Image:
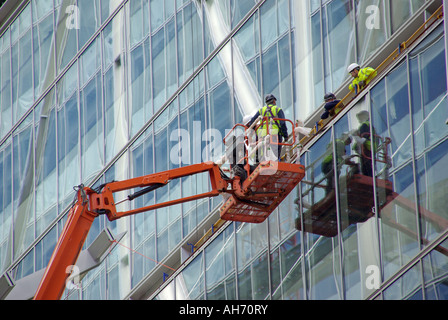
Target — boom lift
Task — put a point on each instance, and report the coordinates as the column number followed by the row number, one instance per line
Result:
column 251, row 193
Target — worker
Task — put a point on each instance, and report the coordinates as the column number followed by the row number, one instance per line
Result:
column 363, row 142
column 327, row 165
column 332, row 106
column 277, row 129
column 361, row 77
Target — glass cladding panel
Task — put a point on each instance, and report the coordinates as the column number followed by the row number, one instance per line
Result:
column 396, row 189
column 276, row 58
column 192, row 122
column 221, row 115
column 322, row 258
column 157, row 13
column 66, row 38
column 23, row 181
column 171, row 57
column 314, row 5
column 68, row 149
column 398, row 221
column 94, row 288
column 162, row 160
column 380, row 122
column 317, row 57
column 48, row 245
column 260, row 278
column 190, row 283
column 90, row 62
column 143, row 224
column 432, row 178
column 5, row 93
column 371, row 27
column 22, row 82
column 220, row 267
column 46, row 159
column 41, row 8
column 322, row 268
column 270, row 69
column 252, row 262
column 401, row 10
column 89, row 19
column 140, row 97
column 247, row 39
column 435, row 265
column 238, row 9
column 356, row 200
column 137, row 17
column 285, row 76
column 398, row 114
column 437, row 291
column 339, row 42
column 43, row 55
column 160, row 67
column 92, row 133
column 317, row 188
column 406, row 286
column 251, row 240
column 116, row 115
column 144, row 257
column 286, row 270
column 429, row 87
column 269, row 23
column 189, row 41
column 167, row 293
column 6, row 203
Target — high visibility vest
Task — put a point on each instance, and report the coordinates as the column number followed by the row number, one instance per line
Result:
column 270, row 111
column 363, row 75
column 368, row 143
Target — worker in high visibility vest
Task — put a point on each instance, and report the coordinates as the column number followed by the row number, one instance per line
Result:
column 364, row 145
column 332, row 106
column 327, row 164
column 277, row 128
column 361, row 77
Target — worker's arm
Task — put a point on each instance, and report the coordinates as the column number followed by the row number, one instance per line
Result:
column 254, row 118
column 353, row 85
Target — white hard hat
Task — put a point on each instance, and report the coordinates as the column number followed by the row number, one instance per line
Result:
column 352, row 67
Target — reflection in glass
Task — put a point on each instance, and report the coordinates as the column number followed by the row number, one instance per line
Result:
column 220, row 267
column 190, row 283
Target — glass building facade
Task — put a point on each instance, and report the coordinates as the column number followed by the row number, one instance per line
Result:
column 98, row 90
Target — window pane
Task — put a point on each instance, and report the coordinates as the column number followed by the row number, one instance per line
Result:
column 356, row 200
column 92, row 134
column 140, row 84
column 68, row 150
column 428, row 83
column 431, row 188
column 371, row 26
column 398, row 114
column 5, row 94
column 89, row 19
column 190, row 283
column 401, row 10
column 318, row 61
column 340, row 40
column 66, row 40
column 43, row 53
column 239, row 8
column 22, row 84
